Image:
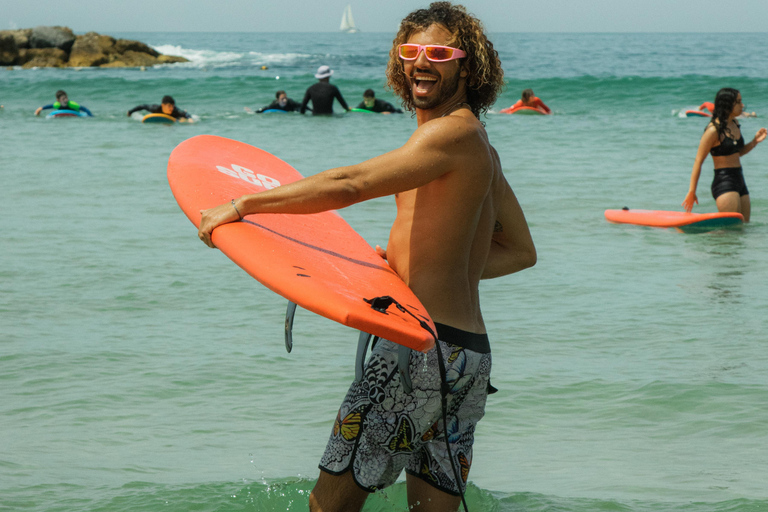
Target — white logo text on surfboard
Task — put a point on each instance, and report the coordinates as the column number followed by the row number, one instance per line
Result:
column 248, row 175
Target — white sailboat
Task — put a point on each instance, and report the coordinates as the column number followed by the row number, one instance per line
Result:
column 348, row 22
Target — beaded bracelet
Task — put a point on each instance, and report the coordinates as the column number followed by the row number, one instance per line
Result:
column 238, row 211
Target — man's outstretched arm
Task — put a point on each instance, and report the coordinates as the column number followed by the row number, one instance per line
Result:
column 425, row 157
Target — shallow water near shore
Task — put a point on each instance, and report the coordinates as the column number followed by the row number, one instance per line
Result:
column 142, row 371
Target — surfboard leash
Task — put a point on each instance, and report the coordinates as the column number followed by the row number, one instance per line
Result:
column 381, row 304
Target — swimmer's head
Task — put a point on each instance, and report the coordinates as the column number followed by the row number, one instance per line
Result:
column 369, row 98
column 282, row 98
column 484, row 75
column 61, row 94
column 324, row 73
column 168, row 104
column 527, row 95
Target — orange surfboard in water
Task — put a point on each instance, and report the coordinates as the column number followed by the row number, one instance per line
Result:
column 316, row 261
column 680, row 220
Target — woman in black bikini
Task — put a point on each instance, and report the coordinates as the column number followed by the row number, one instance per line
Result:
column 723, row 140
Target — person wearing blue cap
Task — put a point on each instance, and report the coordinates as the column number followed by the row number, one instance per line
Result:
column 322, row 94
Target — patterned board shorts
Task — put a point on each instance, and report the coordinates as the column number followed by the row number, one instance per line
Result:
column 381, row 430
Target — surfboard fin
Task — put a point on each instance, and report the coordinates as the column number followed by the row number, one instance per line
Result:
column 403, row 362
column 362, row 348
column 289, row 314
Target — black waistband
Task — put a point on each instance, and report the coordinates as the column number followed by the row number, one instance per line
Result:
column 728, row 170
column 469, row 340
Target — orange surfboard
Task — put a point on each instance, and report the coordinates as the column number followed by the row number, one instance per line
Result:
column 523, row 110
column 680, row 220
column 316, row 261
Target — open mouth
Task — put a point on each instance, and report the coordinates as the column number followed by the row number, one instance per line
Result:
column 424, row 83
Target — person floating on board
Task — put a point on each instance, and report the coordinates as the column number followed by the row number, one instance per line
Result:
column 322, row 94
column 168, row 107
column 374, row 105
column 722, row 139
column 282, row 102
column 707, row 105
column 62, row 103
column 528, row 99
column 457, row 222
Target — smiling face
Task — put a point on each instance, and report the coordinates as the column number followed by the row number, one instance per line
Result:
column 433, row 84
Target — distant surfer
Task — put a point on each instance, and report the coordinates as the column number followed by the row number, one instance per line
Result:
column 63, row 103
column 281, row 102
column 723, row 140
column 370, row 102
column 322, row 94
column 168, row 107
column 528, row 99
column 458, row 221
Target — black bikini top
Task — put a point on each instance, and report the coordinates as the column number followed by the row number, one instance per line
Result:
column 728, row 146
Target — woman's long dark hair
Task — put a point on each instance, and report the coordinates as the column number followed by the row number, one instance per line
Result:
column 724, row 103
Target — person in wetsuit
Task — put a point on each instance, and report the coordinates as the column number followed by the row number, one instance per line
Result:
column 322, row 94
column 63, row 103
column 723, row 140
column 168, row 107
column 528, row 99
column 282, row 102
column 375, row 105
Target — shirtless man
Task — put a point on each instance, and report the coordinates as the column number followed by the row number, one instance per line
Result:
column 457, row 222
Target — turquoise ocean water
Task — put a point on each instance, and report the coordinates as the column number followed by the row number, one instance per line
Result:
column 142, row 371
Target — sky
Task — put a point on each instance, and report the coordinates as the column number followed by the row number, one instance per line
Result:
column 107, row 16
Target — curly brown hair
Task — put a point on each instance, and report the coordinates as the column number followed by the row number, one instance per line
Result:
column 485, row 79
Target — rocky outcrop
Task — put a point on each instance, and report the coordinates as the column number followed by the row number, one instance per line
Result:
column 90, row 50
column 52, row 37
column 60, row 47
column 21, row 36
column 42, row 58
column 132, row 59
column 126, row 45
column 9, row 51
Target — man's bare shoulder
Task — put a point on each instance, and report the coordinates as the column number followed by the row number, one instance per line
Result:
column 454, row 134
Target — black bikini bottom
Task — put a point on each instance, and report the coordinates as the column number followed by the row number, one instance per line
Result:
column 729, row 179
